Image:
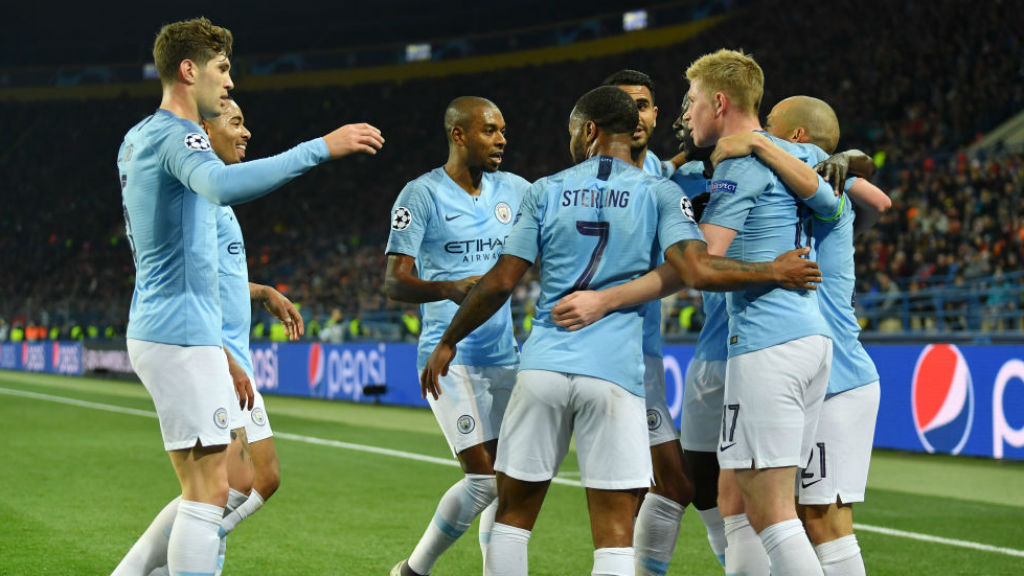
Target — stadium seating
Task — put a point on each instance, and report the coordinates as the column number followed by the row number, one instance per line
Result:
column 917, row 99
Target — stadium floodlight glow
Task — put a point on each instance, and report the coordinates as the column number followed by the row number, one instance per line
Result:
column 417, row 52
column 634, row 20
column 149, row 71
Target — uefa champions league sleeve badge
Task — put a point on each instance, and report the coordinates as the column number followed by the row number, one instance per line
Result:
column 197, row 142
column 401, row 219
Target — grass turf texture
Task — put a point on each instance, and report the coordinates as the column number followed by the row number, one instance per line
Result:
column 81, row 484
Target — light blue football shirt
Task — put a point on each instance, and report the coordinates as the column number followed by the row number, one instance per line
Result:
column 712, row 344
column 233, row 280
column 748, row 197
column 593, row 226
column 171, row 184
column 453, row 235
column 833, row 240
column 652, row 317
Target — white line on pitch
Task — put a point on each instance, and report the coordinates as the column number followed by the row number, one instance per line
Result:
column 939, row 540
column 448, row 462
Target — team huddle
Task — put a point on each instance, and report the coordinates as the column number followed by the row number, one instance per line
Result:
column 779, row 402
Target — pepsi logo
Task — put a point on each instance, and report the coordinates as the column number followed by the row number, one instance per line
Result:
column 316, row 364
column 942, row 399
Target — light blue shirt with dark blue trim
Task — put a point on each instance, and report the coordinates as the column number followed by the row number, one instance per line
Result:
column 592, row 227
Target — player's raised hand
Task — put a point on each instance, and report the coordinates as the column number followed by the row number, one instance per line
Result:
column 794, row 272
column 579, row 310
column 283, row 309
column 352, row 138
column 459, row 288
column 834, row 170
column 437, row 366
column 736, row 146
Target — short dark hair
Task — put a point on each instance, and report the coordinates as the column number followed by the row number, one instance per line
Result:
column 630, row 78
column 610, row 108
column 197, row 39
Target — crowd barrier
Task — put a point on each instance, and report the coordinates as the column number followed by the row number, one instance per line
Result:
column 938, row 398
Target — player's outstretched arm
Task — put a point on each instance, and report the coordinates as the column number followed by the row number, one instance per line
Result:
column 243, row 387
column 795, row 173
column 704, row 271
column 207, row 176
column 353, row 138
column 281, row 307
column 402, row 284
column 860, row 163
column 871, row 203
column 480, row 304
column 583, row 308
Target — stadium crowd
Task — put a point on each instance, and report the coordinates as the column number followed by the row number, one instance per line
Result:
column 915, row 101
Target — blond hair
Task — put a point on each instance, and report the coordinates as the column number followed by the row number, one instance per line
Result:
column 198, row 40
column 732, row 73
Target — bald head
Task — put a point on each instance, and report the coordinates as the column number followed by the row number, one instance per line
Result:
column 462, row 110
column 805, row 119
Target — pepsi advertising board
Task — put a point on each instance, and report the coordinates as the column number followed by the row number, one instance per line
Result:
column 339, row 371
column 47, row 356
column 939, row 398
column 951, row 399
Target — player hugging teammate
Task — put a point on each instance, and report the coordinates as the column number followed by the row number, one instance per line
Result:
column 754, row 396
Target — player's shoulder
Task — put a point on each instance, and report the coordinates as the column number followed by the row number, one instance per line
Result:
column 806, row 151
column 509, row 178
column 426, row 184
column 166, row 129
column 742, row 169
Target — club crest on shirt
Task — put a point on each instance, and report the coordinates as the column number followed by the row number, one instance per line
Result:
column 401, row 219
column 220, row 418
column 687, row 208
column 466, row 423
column 503, row 212
column 197, row 142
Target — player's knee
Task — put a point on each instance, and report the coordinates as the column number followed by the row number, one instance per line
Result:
column 826, row 523
column 677, row 488
column 483, row 489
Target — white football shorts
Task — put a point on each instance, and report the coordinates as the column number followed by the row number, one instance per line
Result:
column 702, row 405
column 837, row 467
column 191, row 390
column 660, row 427
column 472, row 403
column 547, row 408
column 257, row 423
column 772, row 401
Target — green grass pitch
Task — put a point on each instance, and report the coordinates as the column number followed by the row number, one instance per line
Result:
column 79, row 483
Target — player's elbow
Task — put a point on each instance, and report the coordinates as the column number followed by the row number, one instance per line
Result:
column 883, row 204
column 699, row 277
column 393, row 288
